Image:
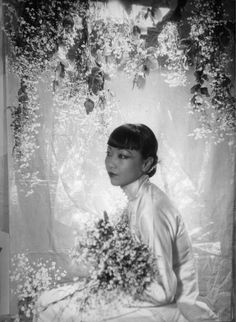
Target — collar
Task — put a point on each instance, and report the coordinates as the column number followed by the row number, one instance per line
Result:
column 133, row 189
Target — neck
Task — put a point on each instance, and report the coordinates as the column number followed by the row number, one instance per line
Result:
column 132, row 189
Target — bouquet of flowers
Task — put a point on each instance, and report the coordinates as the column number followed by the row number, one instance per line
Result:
column 120, row 263
column 120, row 267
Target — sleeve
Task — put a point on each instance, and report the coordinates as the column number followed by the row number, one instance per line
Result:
column 157, row 228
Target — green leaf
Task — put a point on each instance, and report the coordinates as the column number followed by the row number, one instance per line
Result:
column 195, row 88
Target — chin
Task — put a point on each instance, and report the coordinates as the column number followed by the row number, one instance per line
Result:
column 114, row 182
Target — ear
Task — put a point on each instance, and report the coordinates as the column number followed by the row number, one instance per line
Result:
column 147, row 163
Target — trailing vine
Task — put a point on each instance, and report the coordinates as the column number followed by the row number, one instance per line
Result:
column 175, row 61
column 211, row 45
column 37, row 31
column 119, row 45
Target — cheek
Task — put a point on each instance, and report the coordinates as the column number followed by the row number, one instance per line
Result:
column 134, row 169
column 138, row 165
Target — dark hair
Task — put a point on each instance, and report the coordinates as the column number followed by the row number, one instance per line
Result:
column 136, row 137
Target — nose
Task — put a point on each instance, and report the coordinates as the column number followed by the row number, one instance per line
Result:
column 111, row 163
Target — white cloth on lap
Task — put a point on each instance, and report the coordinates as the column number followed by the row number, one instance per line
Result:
column 54, row 308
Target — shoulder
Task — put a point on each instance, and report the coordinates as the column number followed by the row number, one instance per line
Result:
column 161, row 208
column 159, row 200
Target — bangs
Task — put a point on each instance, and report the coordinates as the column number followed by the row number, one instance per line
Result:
column 125, row 137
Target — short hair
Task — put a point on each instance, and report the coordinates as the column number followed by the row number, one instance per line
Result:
column 136, row 137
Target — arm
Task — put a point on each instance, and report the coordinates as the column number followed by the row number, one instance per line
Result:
column 157, row 228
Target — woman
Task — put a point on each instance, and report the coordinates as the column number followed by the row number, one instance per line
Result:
column 131, row 159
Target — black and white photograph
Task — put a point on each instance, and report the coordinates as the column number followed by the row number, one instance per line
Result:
column 117, row 161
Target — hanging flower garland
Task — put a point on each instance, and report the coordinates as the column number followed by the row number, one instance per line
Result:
column 213, row 99
column 174, row 58
column 35, row 30
column 116, row 45
column 119, row 45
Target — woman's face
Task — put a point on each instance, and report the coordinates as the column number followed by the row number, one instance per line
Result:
column 123, row 165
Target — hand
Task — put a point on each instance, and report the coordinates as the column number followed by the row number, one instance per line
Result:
column 144, row 298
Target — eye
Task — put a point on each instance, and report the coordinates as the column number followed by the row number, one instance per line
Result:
column 123, row 156
column 109, row 154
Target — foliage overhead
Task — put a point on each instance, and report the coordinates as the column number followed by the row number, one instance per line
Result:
column 80, row 50
column 42, row 36
column 211, row 44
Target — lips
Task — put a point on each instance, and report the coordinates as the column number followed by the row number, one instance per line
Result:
column 112, row 175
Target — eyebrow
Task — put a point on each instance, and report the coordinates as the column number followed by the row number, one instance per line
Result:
column 120, row 149
column 126, row 150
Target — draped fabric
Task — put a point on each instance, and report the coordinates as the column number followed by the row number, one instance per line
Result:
column 74, row 190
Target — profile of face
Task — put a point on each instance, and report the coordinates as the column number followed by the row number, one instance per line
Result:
column 125, row 166
column 131, row 152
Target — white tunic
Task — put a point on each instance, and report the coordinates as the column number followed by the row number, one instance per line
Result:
column 155, row 221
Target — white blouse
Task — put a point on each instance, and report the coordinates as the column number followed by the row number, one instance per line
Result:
column 155, row 221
